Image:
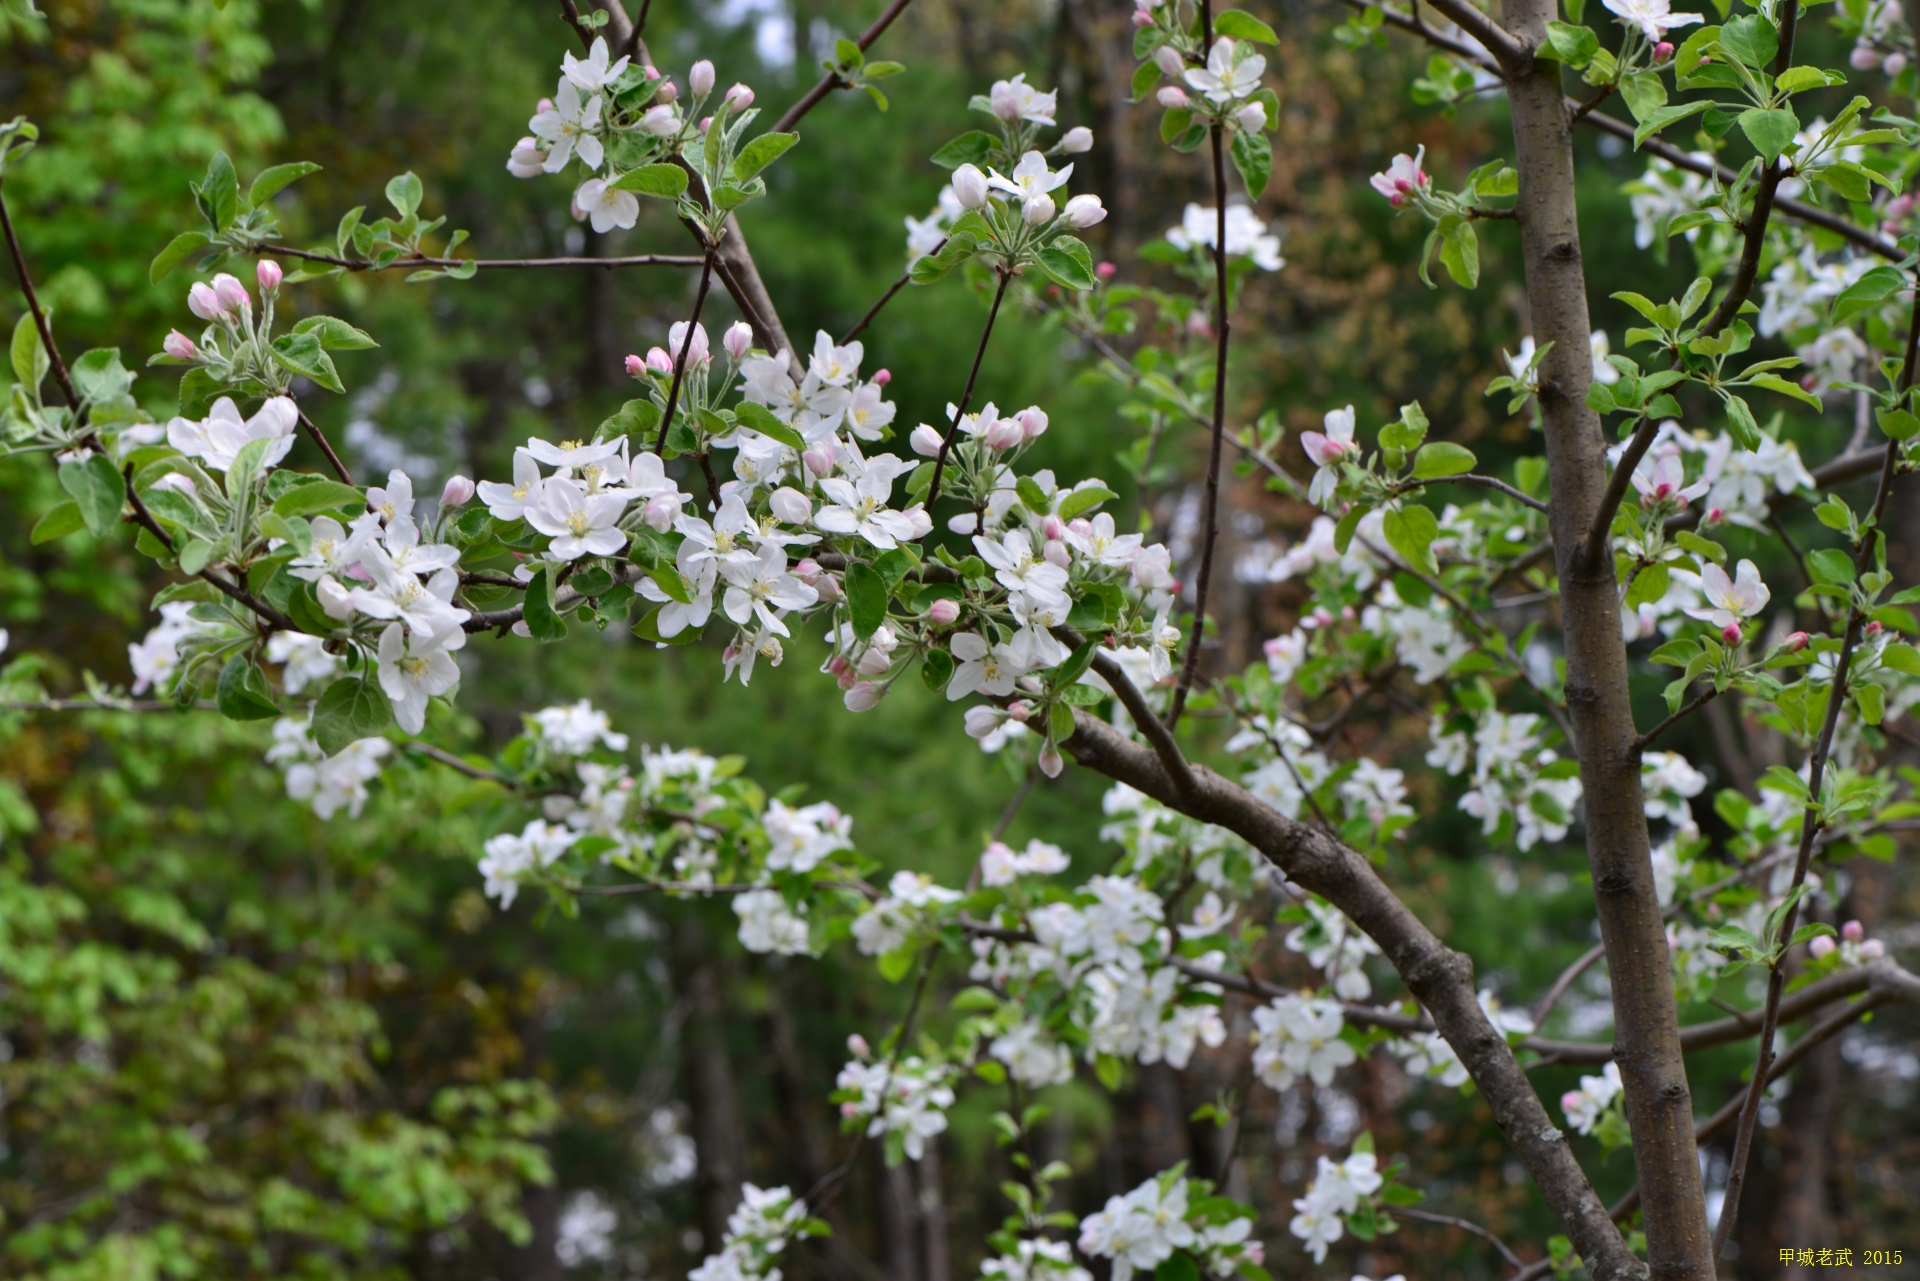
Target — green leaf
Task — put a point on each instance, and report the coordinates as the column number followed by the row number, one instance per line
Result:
column 667, row 576
column 30, row 363
column 98, row 489
column 1442, row 458
column 762, row 420
column 971, row 148
column 1460, row 255
column 1746, row 432
column 404, row 193
column 302, row 354
column 1178, row 1267
column 1752, row 39
column 1065, row 269
column 1349, row 522
column 866, row 598
column 1775, row 383
column 243, row 693
column 218, row 194
column 98, row 374
column 319, row 496
column 1243, row 26
column 353, row 708
column 335, row 334
column 1769, row 131
column 1875, row 287
column 1665, row 116
column 1410, row 531
column 63, row 519
column 1645, row 93
column 1901, row 658
column 271, row 181
column 1830, row 565
column 760, row 153
column 178, row 250
column 1084, row 500
column 542, row 621
column 1572, row 45
column 1253, row 157
column 664, row 181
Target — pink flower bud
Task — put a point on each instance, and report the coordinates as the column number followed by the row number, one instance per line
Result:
column 1038, row 210
column 180, row 347
column 1171, row 96
column 1894, row 63
column 1663, row 51
column 1822, row 946
column 1872, row 950
column 925, row 441
column 232, row 294
column 1005, row 433
column 1796, row 642
column 1251, row 118
column 970, row 186
column 1106, row 270
column 865, row 696
column 740, row 97
column 881, row 377
column 1080, row 525
column 1053, row 527
column 1570, row 1100
column 1853, row 931
column 1033, row 422
column 660, row 513
column 204, row 303
column 943, row 613
column 1864, row 57
column 1076, row 140
column 652, row 72
column 457, row 492
column 1874, row 628
column 738, row 340
column 857, row 1046
column 667, row 92
column 1730, row 633
column 1020, row 710
column 700, row 78
column 1056, row 553
column 545, row 104
column 791, row 506
column 659, row 361
column 706, row 123
column 1168, row 59
column 847, row 678
column 1050, row 761
column 637, row 366
column 1715, row 515
column 819, row 458
column 178, row 483
column 1141, row 18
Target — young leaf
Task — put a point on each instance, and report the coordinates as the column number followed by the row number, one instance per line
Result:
column 866, row 598
column 243, row 694
column 271, row 181
column 1410, row 531
column 664, row 181
column 177, row 251
column 760, row 153
column 353, row 708
column 542, row 621
column 98, row 489
column 1442, row 458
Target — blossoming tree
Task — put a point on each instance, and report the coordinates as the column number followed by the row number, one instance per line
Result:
column 747, row 490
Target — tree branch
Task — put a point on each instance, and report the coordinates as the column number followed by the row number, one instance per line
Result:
column 966, row 396
column 830, row 81
column 680, row 359
column 1442, row 980
column 482, row 264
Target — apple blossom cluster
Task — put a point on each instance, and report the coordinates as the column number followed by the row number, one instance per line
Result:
column 1520, row 787
column 758, row 1232
column 904, row 1099
column 1298, row 1037
column 1338, row 1189
column 1428, row 1056
column 1171, row 1212
column 1597, row 1095
column 328, row 783
column 623, row 122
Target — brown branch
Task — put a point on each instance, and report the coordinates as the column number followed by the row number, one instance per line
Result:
column 1513, row 52
column 1440, row 979
column 1810, row 822
column 482, row 264
column 1465, row 1225
column 1699, row 701
column 1489, row 482
column 40, row 320
column 320, row 438
column 831, row 81
column 874, row 310
column 1222, row 327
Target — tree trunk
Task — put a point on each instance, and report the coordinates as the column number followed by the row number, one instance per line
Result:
column 718, row 1139
column 1647, row 1041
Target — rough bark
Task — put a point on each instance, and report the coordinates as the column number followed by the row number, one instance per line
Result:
column 1647, row 1042
column 1441, row 979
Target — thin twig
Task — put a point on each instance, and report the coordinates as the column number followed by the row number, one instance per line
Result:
column 1465, row 1225
column 885, row 298
column 831, row 81
column 1810, row 819
column 1492, row 483
column 966, row 396
column 680, row 357
column 481, row 264
column 326, row 447
column 40, row 320
column 1210, row 531
column 1699, row 701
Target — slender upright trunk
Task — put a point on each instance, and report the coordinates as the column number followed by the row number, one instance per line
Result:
column 718, row 1139
column 1646, row 1039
